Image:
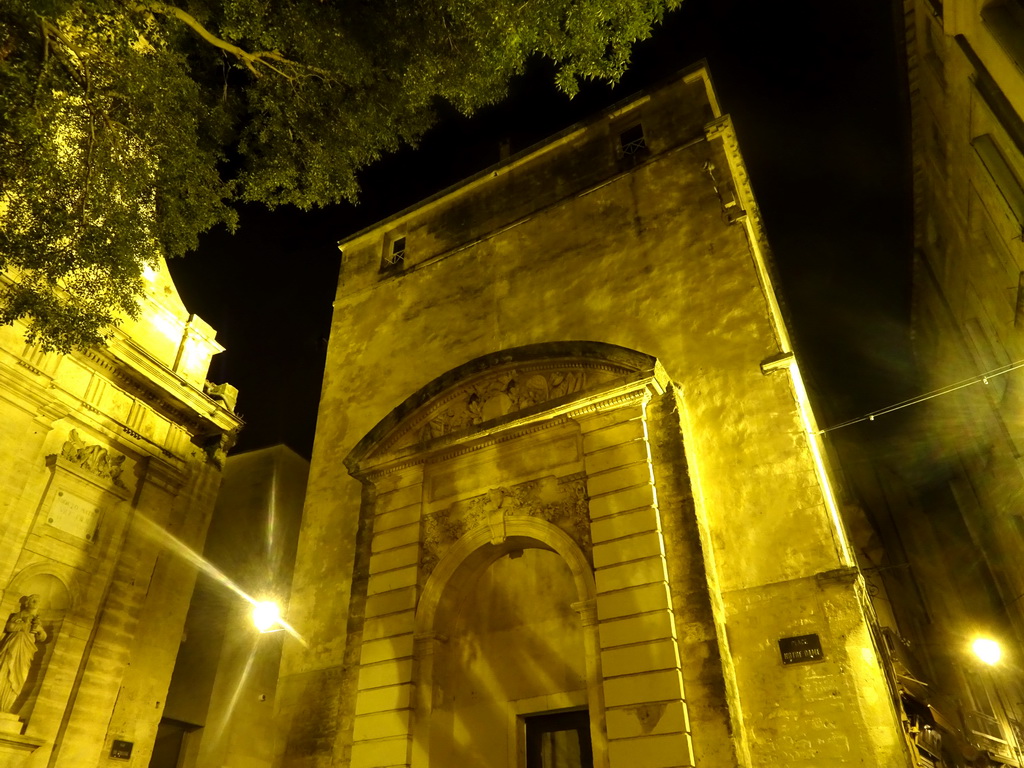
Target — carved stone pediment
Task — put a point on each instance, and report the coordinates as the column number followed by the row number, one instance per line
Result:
column 560, row 501
column 497, row 393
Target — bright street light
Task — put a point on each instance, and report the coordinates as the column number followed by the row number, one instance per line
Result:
column 988, row 650
column 266, row 615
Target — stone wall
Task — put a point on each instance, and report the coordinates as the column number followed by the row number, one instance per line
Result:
column 580, row 313
column 942, row 483
column 109, row 461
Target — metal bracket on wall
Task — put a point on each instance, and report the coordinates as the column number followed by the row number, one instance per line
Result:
column 776, row 362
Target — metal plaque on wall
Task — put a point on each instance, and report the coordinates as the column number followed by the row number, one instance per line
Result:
column 121, row 750
column 802, row 648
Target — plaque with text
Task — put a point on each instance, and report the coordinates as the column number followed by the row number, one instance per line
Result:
column 795, row 650
column 121, row 750
column 74, row 515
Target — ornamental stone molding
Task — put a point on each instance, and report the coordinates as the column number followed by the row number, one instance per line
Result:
column 497, row 393
column 560, row 501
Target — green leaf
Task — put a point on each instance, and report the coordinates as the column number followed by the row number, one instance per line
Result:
column 127, row 129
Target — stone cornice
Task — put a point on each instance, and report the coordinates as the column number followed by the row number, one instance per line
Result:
column 45, row 398
column 140, row 372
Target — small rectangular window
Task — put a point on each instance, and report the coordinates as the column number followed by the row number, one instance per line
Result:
column 394, row 254
column 1005, row 19
column 1002, row 174
column 632, row 142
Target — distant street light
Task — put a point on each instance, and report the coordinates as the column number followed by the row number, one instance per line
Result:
column 266, row 615
column 988, row 650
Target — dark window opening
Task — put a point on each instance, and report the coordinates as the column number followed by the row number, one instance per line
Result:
column 559, row 740
column 632, row 142
column 1005, row 19
column 171, row 742
column 394, row 257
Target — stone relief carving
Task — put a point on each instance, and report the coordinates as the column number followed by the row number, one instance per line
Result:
column 17, row 649
column 488, row 394
column 560, row 501
column 93, row 458
column 501, row 395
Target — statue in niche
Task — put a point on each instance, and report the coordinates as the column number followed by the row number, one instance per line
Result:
column 21, row 633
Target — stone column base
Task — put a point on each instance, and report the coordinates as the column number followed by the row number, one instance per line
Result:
column 15, row 749
column 10, row 723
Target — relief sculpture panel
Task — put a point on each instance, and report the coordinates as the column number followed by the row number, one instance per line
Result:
column 561, row 501
column 499, row 393
column 499, row 396
column 96, row 459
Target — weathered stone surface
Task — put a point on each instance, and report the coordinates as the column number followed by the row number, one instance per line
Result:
column 110, row 462
column 699, row 504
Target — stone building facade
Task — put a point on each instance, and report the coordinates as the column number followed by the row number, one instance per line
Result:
column 110, row 464
column 566, row 503
column 946, row 501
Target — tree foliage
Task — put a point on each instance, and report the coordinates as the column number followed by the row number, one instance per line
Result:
column 128, row 127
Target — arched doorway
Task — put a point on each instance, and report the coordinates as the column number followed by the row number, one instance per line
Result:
column 506, row 636
column 512, row 543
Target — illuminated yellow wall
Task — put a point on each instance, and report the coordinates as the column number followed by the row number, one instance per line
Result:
column 713, row 532
column 102, row 455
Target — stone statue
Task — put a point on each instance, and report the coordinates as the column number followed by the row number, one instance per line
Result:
column 72, row 447
column 22, row 631
column 94, row 458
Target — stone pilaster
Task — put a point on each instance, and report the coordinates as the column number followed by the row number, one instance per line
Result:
column 384, row 697
column 645, row 707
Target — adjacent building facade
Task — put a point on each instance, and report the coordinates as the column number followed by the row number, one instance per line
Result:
column 566, row 504
column 110, row 463
column 946, row 505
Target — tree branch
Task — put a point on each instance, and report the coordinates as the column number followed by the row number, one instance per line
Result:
column 249, row 58
column 53, row 33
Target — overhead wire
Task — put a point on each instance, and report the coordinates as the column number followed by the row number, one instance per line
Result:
column 981, row 378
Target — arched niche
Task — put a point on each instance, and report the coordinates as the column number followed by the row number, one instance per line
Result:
column 55, row 601
column 54, row 597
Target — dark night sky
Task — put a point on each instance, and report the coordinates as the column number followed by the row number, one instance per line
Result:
column 816, row 91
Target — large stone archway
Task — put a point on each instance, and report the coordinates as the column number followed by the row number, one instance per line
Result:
column 714, row 534
column 517, row 679
column 524, row 452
